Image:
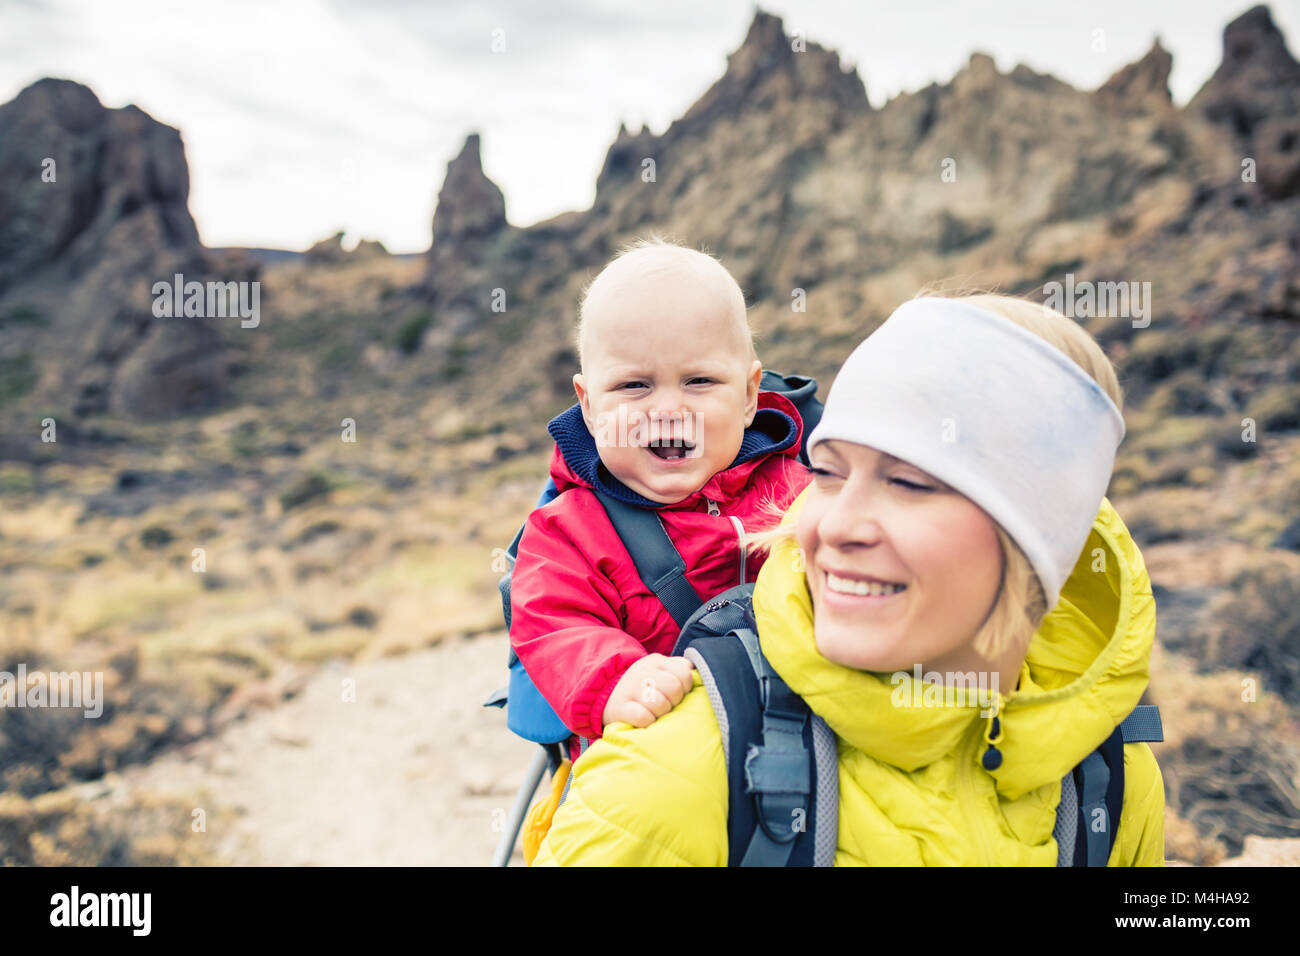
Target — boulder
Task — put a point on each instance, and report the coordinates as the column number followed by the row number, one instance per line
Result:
column 328, row 251
column 94, row 211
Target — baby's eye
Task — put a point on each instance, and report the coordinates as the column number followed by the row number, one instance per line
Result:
column 706, row 381
column 627, row 385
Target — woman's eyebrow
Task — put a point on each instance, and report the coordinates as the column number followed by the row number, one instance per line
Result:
column 828, row 449
column 895, row 460
column 892, row 460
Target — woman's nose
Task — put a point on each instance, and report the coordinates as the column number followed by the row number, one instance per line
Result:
column 852, row 518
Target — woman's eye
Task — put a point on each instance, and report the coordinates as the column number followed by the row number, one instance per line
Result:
column 911, row 485
column 821, row 472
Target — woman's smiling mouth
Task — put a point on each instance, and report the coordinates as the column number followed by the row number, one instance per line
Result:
column 860, row 587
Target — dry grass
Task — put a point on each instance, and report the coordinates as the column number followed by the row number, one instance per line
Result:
column 315, row 549
column 1230, row 762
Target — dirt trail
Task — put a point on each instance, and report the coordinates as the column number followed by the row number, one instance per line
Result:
column 413, row 772
column 410, row 773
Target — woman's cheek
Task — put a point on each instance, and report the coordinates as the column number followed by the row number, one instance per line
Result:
column 968, row 560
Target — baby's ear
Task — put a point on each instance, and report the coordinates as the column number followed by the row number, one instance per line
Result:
column 751, row 391
column 584, row 401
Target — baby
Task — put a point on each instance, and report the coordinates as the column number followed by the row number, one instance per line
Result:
column 669, row 417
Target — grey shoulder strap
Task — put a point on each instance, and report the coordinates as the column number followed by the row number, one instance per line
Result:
column 1067, row 821
column 825, row 757
column 715, row 700
column 827, row 761
column 1096, row 779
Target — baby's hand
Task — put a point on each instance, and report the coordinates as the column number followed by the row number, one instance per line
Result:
column 649, row 689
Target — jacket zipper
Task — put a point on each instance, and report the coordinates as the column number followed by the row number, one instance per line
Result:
column 967, row 799
column 740, row 537
column 740, row 533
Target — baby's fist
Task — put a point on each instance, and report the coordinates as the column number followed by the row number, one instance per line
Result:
column 648, row 689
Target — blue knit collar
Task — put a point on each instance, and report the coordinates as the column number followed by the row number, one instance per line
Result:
column 772, row 431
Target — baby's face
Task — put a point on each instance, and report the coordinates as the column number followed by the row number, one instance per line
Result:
column 669, row 386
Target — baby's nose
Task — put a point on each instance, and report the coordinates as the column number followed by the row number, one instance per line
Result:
column 667, row 414
column 666, row 422
column 669, row 400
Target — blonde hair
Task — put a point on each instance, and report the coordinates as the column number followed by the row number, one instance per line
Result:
column 1020, row 604
column 656, row 254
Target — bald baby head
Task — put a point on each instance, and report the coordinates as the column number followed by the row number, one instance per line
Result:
column 663, row 339
column 651, row 275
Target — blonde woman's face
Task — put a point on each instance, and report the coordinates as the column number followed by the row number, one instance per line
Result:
column 902, row 569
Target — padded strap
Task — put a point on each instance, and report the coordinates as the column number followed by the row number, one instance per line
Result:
column 547, row 495
column 1067, row 821
column 1095, row 777
column 764, row 851
column 778, row 771
column 657, row 562
column 729, row 611
column 734, row 692
column 1143, row 725
column 826, row 796
column 504, row 584
column 1098, row 784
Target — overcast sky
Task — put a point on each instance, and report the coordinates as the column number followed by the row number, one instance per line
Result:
column 303, row 117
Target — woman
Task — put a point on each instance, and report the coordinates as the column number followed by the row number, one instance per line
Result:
column 956, row 523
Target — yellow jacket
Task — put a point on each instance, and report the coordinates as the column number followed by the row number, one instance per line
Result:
column 912, row 789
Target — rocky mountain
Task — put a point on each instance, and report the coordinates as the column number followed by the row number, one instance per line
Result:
column 781, row 167
column 352, row 467
column 784, row 170
column 998, row 180
column 93, row 211
column 1255, row 95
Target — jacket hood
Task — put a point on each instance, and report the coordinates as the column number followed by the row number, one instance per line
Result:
column 1086, row 669
column 777, row 428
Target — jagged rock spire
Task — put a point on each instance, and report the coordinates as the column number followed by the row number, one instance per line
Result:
column 767, row 69
column 1143, row 83
column 470, row 206
column 1257, row 78
column 1255, row 92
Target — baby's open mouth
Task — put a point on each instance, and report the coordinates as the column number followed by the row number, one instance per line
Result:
column 670, row 448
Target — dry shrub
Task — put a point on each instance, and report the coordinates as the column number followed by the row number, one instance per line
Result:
column 87, row 825
column 1258, row 628
column 1229, row 761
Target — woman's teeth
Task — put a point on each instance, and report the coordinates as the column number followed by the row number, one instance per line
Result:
column 863, row 588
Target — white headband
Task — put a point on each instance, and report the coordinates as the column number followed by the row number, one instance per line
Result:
column 990, row 409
